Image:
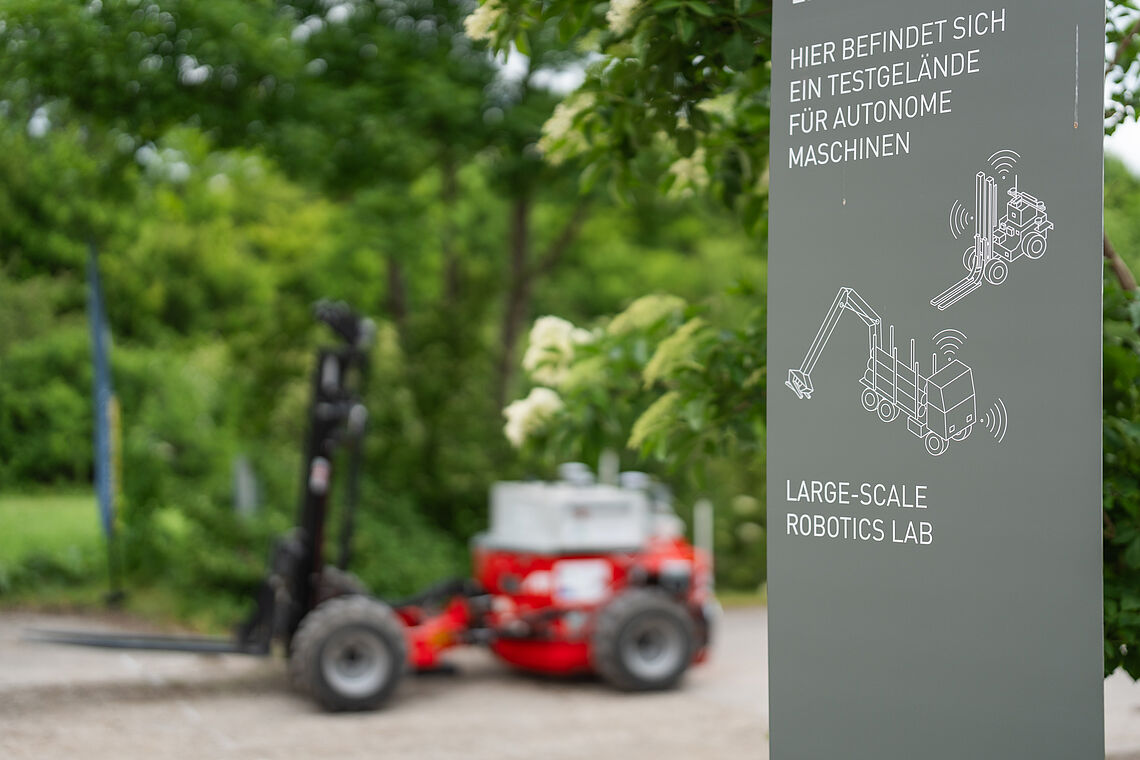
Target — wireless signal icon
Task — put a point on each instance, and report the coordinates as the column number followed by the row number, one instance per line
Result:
column 949, row 343
column 997, row 420
column 1005, row 161
column 960, row 219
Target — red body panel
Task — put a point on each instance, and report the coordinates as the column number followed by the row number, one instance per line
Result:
column 429, row 636
column 560, row 658
column 537, row 624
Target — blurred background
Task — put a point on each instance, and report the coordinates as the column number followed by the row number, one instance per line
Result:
column 523, row 195
column 230, row 163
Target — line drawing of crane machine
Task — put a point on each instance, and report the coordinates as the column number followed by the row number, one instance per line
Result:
column 939, row 408
column 1022, row 231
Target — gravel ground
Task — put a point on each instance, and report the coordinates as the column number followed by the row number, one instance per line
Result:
column 63, row 702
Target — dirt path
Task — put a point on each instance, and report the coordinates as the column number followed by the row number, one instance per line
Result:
column 61, row 702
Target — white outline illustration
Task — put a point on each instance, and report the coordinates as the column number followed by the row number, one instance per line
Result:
column 950, row 342
column 998, row 241
column 1004, row 161
column 939, row 407
column 960, row 219
column 996, row 421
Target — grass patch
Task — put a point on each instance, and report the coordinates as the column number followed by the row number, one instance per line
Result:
column 50, row 539
column 53, row 558
column 729, row 599
column 52, row 525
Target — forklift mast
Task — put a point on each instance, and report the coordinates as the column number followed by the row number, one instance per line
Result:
column 337, row 417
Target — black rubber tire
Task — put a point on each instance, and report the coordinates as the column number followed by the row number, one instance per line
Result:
column 371, row 622
column 620, row 619
column 335, row 582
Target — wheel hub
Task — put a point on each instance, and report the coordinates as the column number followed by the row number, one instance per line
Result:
column 355, row 662
column 652, row 648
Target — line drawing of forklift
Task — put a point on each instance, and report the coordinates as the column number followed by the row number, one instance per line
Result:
column 1023, row 231
column 939, row 407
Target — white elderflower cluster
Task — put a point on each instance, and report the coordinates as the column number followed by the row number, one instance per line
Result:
column 478, row 24
column 526, row 416
column 620, row 15
column 559, row 137
column 645, row 312
column 691, row 173
column 550, row 349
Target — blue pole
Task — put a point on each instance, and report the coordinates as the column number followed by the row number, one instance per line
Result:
column 103, row 394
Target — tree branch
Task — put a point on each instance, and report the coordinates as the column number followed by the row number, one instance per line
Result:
column 1122, row 46
column 1123, row 274
column 557, row 249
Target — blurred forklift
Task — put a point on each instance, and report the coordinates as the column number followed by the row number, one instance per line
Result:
column 572, row 577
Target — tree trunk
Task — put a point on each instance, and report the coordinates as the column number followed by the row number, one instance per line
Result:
column 396, row 301
column 1119, row 267
column 519, row 286
column 449, row 196
column 524, row 273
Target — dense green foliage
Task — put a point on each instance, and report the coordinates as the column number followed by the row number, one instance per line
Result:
column 676, row 96
column 1122, row 480
column 1121, row 430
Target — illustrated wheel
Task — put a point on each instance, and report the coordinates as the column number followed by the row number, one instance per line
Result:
column 969, row 259
column 888, row 411
column 1034, row 245
column 349, row 653
column 643, row 641
column 936, row 445
column 996, row 272
column 962, row 435
column 870, row 400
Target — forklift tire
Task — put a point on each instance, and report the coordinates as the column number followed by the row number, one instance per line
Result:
column 996, row 272
column 335, row 582
column 1034, row 245
column 643, row 641
column 870, row 400
column 349, row 653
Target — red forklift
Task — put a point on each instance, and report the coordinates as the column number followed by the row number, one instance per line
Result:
column 571, row 577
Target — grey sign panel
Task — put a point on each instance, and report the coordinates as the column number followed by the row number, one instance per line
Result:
column 934, row 408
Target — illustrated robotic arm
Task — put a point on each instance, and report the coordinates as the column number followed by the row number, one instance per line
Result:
column 799, row 380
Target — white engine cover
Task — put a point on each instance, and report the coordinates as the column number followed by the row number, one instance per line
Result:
column 563, row 518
